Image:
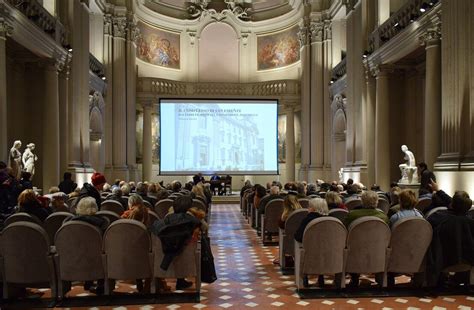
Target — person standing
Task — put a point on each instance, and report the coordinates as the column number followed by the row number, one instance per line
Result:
column 426, row 176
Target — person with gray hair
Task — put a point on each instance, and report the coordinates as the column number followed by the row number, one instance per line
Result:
column 370, row 200
column 274, row 194
column 86, row 210
column 142, row 190
column 311, row 189
column 117, row 196
column 318, row 207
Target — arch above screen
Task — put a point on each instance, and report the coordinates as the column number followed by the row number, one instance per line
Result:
column 218, row 136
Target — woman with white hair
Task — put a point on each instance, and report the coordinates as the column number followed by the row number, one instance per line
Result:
column 86, row 210
column 318, row 207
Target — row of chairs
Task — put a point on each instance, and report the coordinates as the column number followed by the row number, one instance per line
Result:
column 368, row 246
column 126, row 251
column 161, row 208
column 55, row 220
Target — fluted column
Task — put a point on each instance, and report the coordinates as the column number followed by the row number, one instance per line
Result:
column 290, row 144
column 108, row 122
column 317, row 97
column 63, row 118
column 119, row 94
column 305, row 55
column 51, row 160
column 78, row 17
column 432, row 124
column 131, row 96
column 382, row 134
column 4, row 29
column 147, row 143
column 370, row 126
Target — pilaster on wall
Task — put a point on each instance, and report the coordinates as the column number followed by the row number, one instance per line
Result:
column 5, row 29
column 316, row 58
column 120, row 33
column 457, row 106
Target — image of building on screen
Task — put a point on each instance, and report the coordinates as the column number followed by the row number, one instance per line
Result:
column 221, row 140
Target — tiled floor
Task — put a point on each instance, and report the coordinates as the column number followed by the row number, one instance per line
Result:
column 248, row 279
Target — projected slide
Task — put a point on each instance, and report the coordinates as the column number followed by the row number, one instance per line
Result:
column 221, row 136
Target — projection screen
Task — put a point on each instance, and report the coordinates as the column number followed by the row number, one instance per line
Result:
column 218, row 136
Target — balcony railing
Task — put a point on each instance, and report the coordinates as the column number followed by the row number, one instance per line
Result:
column 96, row 66
column 339, row 70
column 168, row 87
column 35, row 12
column 407, row 14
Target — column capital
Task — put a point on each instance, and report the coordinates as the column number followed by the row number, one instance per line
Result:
column 6, row 29
column 119, row 26
column 431, row 37
column 133, row 32
column 303, row 34
column 382, row 70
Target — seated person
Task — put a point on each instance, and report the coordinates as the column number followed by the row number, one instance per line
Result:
column 216, row 184
column 142, row 190
column 290, row 204
column 139, row 212
column 334, row 201
column 311, row 189
column 453, row 240
column 86, row 210
column 58, row 202
column 370, row 200
column 117, row 196
column 136, row 209
column 274, row 194
column 28, row 202
column 408, row 202
column 176, row 230
column 198, row 178
column 318, row 207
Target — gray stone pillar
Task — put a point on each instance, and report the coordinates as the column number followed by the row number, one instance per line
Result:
column 382, row 130
column 108, row 117
column 131, row 96
column 370, row 126
column 305, row 54
column 51, row 160
column 147, row 165
column 432, row 124
column 4, row 148
column 119, row 94
column 63, row 118
column 290, row 144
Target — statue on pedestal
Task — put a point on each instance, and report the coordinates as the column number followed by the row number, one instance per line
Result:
column 29, row 159
column 409, row 170
column 14, row 160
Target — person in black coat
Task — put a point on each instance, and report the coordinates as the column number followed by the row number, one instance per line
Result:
column 453, row 239
column 67, row 185
column 426, row 176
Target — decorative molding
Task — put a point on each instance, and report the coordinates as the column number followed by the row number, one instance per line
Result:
column 285, row 90
column 338, row 103
column 108, row 29
column 432, row 35
column 303, row 34
column 245, row 38
column 192, row 36
column 26, row 30
column 133, row 32
column 339, row 70
column 6, row 30
column 119, row 26
column 317, row 31
column 200, row 9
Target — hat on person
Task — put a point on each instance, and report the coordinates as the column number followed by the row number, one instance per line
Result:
column 98, row 179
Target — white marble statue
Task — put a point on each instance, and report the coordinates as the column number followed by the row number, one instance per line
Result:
column 14, row 160
column 29, row 159
column 408, row 170
column 341, row 175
